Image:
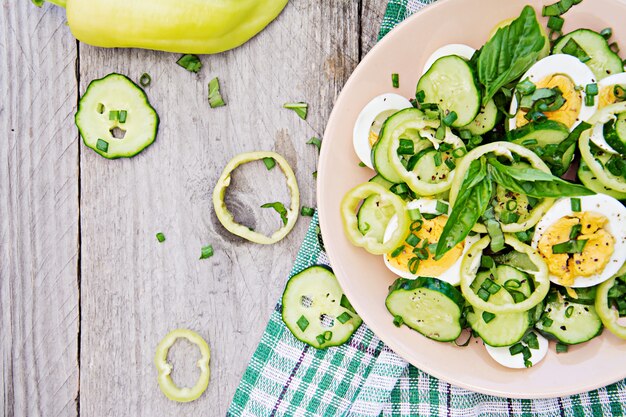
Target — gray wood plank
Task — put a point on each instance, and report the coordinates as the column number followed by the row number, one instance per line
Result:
column 135, row 290
column 372, row 12
column 38, row 213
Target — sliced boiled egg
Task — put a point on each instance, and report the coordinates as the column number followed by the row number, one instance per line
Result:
column 570, row 76
column 448, row 267
column 459, row 49
column 606, row 86
column 371, row 119
column 503, row 356
column 606, row 97
column 590, row 244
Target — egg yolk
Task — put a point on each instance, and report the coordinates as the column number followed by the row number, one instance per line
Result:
column 606, row 96
column 428, row 234
column 568, row 113
column 595, row 255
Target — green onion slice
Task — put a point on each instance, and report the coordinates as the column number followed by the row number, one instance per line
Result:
column 269, row 163
column 307, row 211
column 571, row 246
column 215, row 97
column 280, row 209
column 315, row 141
column 300, row 108
column 395, row 80
column 575, row 204
column 160, row 237
column 190, row 62
column 207, row 252
column 145, row 79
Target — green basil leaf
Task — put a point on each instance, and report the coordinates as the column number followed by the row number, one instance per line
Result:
column 510, row 53
column 522, row 174
column 280, row 209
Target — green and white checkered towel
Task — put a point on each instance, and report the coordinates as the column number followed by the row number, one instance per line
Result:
column 364, row 378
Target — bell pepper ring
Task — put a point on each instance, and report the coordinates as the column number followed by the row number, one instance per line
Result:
column 164, row 369
column 502, row 148
column 349, row 208
column 471, row 263
column 607, row 314
column 192, row 26
column 226, row 217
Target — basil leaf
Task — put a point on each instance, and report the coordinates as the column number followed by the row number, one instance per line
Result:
column 471, row 202
column 280, row 209
column 509, row 53
column 528, row 181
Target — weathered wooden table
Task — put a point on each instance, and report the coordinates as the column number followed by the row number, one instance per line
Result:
column 86, row 291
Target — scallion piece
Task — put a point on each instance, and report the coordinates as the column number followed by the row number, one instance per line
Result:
column 316, row 142
column 190, row 62
column 102, row 145
column 511, row 205
column 302, row 323
column 561, row 348
column 441, row 207
column 555, row 23
column 421, row 253
column 522, row 236
column 160, row 237
column 575, row 231
column 512, row 284
column 399, row 189
column 320, row 339
column 459, row 152
column 571, row 246
column 509, row 217
column 591, row 89
column 207, row 252
column 398, row 321
column 526, row 87
column 344, row 317
column 301, row 108
column 450, row 118
column 413, row 264
column 420, row 96
column 606, row 33
column 487, row 316
column 495, row 233
column 412, row 240
column 573, row 48
column 619, row 92
column 484, row 294
column 362, row 165
column 575, row 204
column 269, row 163
column 569, row 311
column 123, row 114
column 440, row 133
column 531, row 340
column 397, row 251
column 416, row 226
column 307, row 211
column 437, row 158
column 145, row 79
column 114, row 115
column 406, row 147
column 450, row 164
column 559, row 8
column 314, row 174
column 487, row 262
column 529, row 142
column 328, row 335
column 516, row 349
column 547, row 322
column 415, row 214
column 215, row 97
column 280, row 209
column 395, row 80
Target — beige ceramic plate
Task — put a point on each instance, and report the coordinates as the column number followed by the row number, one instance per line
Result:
column 365, row 278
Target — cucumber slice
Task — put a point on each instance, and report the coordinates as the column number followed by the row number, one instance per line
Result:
column 543, row 138
column 428, row 305
column 379, row 179
column 569, row 323
column 100, row 116
column 373, row 217
column 315, row 309
column 603, row 62
column 615, row 133
column 485, row 120
column 590, row 181
column 503, row 329
column 451, row 83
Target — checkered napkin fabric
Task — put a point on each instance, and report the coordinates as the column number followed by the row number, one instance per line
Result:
column 364, row 378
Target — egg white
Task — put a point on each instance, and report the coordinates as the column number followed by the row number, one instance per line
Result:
column 363, row 124
column 504, row 357
column 429, row 206
column 579, row 73
column 459, row 49
column 597, row 134
column 603, row 204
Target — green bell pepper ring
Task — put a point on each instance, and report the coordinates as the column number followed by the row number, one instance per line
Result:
column 226, row 217
column 471, row 262
column 190, row 26
column 167, row 385
column 349, row 209
column 607, row 314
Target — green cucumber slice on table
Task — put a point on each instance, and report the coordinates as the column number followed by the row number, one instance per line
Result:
column 569, row 323
column 590, row 181
column 603, row 61
column 316, row 310
column 116, row 104
column 451, row 83
column 615, row 133
column 428, row 305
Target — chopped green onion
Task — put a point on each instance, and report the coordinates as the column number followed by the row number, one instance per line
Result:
column 487, row 316
column 555, row 23
column 490, row 286
column 102, row 145
column 531, row 340
column 207, row 252
column 215, row 97
column 190, row 62
column 437, row 158
column 559, row 8
column 511, row 205
column 495, row 233
column 575, row 204
column 512, row 283
column 412, row 240
column 516, row 349
column 301, row 109
column 345, row 303
column 614, row 47
column 399, row 189
column 450, row 118
column 450, row 164
column 547, row 322
column 575, row 231
column 484, row 294
column 619, row 92
column 459, row 152
column 344, row 317
column 569, row 311
column 362, row 165
column 397, row 251
column 561, row 348
column 413, row 265
column 315, row 141
column 416, row 226
column 269, row 163
column 571, row 246
column 526, row 87
column 395, row 80
column 444, row 147
column 440, row 133
column 509, row 217
column 114, row 115
column 421, row 253
column 302, row 323
column 398, row 321
column 518, row 297
column 606, row 33
column 145, row 79
column 122, row 115
column 529, row 142
column 441, row 207
column 320, row 339
column 420, row 96
column 314, row 174
column 406, row 147
column 522, row 236
column 280, row 209
column 160, row 237
column 328, row 335
column 573, row 48
column 591, row 89
column 415, row 214
column 307, row 211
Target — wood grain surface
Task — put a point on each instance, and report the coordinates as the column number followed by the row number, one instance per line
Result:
column 86, row 291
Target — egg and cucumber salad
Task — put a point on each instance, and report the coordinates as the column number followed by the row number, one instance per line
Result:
column 497, row 192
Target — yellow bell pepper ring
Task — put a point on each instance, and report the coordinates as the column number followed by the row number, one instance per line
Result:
column 349, row 208
column 189, row 26
column 226, row 217
column 164, row 369
column 607, row 314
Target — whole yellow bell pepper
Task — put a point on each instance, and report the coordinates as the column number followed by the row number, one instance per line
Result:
column 188, row 26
